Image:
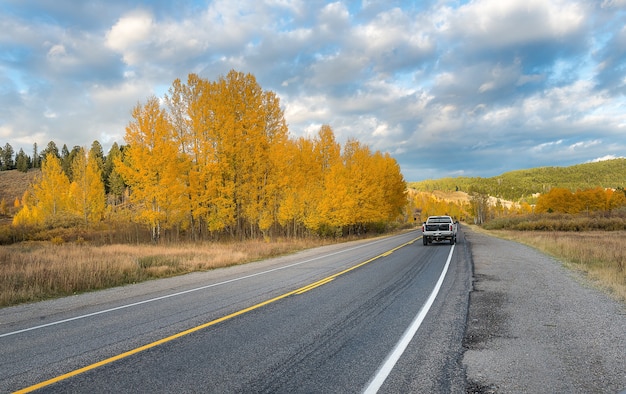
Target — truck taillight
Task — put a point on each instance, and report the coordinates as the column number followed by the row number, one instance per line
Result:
column 450, row 227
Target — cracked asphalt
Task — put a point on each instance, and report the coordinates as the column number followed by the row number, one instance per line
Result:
column 536, row 327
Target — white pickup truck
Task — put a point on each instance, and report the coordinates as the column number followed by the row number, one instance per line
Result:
column 439, row 228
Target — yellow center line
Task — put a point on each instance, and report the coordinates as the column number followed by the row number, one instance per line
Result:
column 202, row 326
column 314, row 285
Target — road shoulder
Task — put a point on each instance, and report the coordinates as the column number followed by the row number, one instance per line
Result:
column 534, row 326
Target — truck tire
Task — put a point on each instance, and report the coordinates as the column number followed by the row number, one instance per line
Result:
column 452, row 240
column 425, row 240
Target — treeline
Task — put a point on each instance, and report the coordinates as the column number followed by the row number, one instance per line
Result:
column 214, row 158
column 563, row 200
column 9, row 160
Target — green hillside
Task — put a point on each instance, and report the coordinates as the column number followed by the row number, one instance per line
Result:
column 522, row 184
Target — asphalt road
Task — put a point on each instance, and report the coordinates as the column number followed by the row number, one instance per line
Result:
column 323, row 320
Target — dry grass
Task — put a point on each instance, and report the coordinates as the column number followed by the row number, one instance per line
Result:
column 601, row 255
column 33, row 271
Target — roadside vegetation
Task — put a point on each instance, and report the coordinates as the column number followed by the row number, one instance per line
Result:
column 34, row 271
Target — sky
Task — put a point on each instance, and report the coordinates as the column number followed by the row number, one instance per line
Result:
column 447, row 88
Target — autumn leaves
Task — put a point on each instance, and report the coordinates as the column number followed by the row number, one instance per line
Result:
column 215, row 157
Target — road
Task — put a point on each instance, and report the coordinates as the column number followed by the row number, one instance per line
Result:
column 323, row 320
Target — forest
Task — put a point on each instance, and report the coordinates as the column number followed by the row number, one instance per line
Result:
column 211, row 160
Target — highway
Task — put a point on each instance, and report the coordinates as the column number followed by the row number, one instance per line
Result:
column 381, row 315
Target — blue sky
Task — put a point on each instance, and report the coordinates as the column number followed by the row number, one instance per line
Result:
column 448, row 88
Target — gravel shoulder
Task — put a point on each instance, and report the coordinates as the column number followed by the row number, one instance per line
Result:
column 536, row 327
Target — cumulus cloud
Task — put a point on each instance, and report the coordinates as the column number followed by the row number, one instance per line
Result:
column 502, row 84
column 130, row 34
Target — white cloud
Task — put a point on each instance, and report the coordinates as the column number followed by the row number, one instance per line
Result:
column 584, row 144
column 548, row 145
column 604, row 158
column 498, row 23
column 481, row 77
column 130, row 33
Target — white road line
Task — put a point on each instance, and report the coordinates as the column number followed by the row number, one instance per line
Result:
column 180, row 293
column 385, row 369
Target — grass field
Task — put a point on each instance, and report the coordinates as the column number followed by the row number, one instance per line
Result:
column 33, row 271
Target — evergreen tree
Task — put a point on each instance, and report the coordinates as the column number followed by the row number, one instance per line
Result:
column 8, row 162
column 97, row 153
column 51, row 148
column 35, row 159
column 22, row 162
column 114, row 185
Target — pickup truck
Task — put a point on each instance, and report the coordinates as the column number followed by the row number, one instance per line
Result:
column 439, row 228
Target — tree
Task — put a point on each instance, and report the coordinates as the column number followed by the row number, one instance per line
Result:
column 51, row 148
column 249, row 123
column 35, row 160
column 231, row 132
column 326, row 156
column 49, row 201
column 479, row 201
column 151, row 168
column 87, row 189
column 22, row 162
column 114, row 185
column 7, row 157
column 67, row 158
column 66, row 161
column 616, row 198
column 556, row 200
column 97, row 154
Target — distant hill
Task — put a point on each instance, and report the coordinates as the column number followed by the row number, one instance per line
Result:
column 13, row 184
column 523, row 184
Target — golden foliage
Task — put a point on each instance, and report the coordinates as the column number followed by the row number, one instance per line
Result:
column 217, row 159
column 564, row 201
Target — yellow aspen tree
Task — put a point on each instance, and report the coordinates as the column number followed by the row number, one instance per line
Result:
column 392, row 186
column 214, row 122
column 51, row 193
column 28, row 214
column 616, row 199
column 326, row 158
column 87, row 188
column 334, row 207
column 275, row 133
column 591, row 200
column 151, row 168
column 248, row 122
column 182, row 101
column 556, row 200
column 299, row 176
column 364, row 196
